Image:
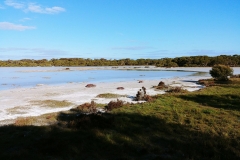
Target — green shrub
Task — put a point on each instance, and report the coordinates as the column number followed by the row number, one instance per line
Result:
column 221, row 72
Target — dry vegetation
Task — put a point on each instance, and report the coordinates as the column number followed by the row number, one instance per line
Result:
column 114, row 104
column 17, row 110
column 176, row 89
column 43, row 120
column 52, row 103
column 86, row 108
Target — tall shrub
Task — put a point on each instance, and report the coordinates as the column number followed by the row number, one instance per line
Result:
column 221, row 72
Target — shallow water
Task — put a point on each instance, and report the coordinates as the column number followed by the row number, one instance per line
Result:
column 14, row 77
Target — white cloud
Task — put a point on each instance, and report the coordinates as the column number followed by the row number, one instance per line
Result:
column 25, row 19
column 39, row 9
column 31, row 53
column 33, row 7
column 11, row 26
column 54, row 10
column 14, row 4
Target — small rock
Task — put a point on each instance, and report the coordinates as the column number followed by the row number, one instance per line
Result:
column 120, row 88
column 90, row 85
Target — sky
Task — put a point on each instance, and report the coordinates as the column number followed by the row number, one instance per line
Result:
column 116, row 29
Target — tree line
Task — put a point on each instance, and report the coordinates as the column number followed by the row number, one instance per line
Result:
column 191, row 61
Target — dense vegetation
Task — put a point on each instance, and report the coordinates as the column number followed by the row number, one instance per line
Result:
column 192, row 61
column 221, row 72
column 193, row 125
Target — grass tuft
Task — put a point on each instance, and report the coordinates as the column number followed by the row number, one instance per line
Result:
column 17, row 110
column 110, row 95
column 52, row 103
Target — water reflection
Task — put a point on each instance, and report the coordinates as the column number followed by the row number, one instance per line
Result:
column 12, row 77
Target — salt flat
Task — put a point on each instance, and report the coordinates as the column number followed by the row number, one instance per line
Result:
column 22, row 99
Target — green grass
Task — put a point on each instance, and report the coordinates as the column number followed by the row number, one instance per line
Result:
column 52, row 103
column 17, row 110
column 195, row 125
column 110, row 95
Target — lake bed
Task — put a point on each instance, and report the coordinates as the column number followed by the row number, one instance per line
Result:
column 27, row 88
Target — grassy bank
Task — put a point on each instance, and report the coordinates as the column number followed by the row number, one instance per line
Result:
column 195, row 125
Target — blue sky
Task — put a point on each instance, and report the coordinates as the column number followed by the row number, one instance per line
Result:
column 115, row 29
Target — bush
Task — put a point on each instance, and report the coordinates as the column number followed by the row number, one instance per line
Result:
column 87, row 107
column 221, row 72
column 114, row 104
column 176, row 90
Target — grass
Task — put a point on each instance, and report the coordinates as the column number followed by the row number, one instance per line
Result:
column 43, row 120
column 195, row 125
column 110, row 95
column 17, row 110
column 52, row 103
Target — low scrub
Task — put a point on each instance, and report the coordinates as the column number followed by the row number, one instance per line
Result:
column 206, row 82
column 87, row 107
column 148, row 98
column 176, row 89
column 114, row 104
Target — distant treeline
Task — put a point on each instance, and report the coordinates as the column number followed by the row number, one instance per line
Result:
column 192, row 61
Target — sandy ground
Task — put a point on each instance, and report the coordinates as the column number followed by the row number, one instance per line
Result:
column 18, row 102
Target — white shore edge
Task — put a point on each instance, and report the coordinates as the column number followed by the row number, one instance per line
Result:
column 20, row 99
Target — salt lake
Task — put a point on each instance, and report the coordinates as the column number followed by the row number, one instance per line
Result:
column 15, row 77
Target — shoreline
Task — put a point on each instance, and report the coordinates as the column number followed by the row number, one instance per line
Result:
column 17, row 103
column 21, row 102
